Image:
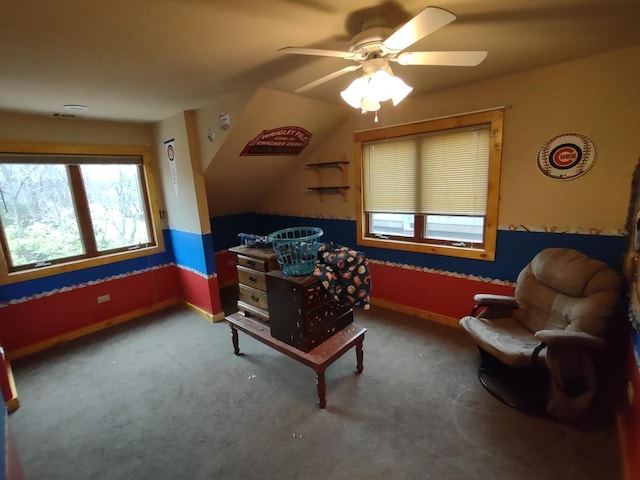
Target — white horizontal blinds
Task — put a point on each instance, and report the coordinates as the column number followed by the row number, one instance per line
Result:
column 454, row 170
column 389, row 176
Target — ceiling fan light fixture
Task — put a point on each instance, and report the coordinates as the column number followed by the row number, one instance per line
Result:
column 377, row 45
column 366, row 92
column 380, row 86
column 369, row 105
column 400, row 90
column 353, row 93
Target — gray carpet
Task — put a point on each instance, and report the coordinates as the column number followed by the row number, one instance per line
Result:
column 163, row 397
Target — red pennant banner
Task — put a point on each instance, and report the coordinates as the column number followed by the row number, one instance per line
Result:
column 278, row 141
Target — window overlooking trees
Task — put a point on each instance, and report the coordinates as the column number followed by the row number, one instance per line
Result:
column 432, row 186
column 38, row 217
column 61, row 208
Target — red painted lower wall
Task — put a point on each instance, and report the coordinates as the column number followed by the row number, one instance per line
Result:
column 442, row 294
column 447, row 295
column 226, row 262
column 200, row 291
column 629, row 419
column 40, row 319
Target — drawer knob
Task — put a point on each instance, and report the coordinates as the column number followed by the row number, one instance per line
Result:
column 253, row 279
column 251, row 263
column 254, row 297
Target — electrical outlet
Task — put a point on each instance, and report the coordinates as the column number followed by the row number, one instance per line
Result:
column 104, row 298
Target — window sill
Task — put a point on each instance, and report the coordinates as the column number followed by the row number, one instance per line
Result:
column 475, row 254
column 25, row 275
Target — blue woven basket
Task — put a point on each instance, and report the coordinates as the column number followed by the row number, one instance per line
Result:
column 296, row 249
column 253, row 240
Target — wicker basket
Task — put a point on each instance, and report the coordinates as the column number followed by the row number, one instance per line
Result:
column 296, row 249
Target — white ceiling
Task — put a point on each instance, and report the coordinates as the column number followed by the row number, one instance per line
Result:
column 146, row 60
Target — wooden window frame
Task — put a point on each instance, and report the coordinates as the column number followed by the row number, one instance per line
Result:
column 486, row 251
column 92, row 257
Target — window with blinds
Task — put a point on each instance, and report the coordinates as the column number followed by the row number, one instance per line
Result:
column 432, row 184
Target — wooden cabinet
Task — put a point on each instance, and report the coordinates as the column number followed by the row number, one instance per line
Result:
column 253, row 264
column 301, row 313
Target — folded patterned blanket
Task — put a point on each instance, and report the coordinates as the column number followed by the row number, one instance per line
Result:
column 344, row 274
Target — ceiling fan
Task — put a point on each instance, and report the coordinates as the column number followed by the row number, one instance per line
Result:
column 377, row 45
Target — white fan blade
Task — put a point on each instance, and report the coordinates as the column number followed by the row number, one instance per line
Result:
column 427, row 21
column 326, row 78
column 455, row 59
column 319, row 52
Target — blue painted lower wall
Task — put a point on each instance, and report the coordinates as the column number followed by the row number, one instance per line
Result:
column 225, row 229
column 514, row 249
column 193, row 251
column 87, row 275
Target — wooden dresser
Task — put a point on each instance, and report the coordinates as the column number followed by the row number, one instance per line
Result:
column 253, row 264
column 301, row 313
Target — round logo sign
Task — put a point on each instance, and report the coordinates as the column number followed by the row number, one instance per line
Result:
column 566, row 156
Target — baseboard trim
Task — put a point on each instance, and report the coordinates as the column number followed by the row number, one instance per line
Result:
column 210, row 317
column 13, row 403
column 96, row 327
column 427, row 315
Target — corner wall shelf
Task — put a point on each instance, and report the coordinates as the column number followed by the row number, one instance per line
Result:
column 328, row 164
column 342, row 188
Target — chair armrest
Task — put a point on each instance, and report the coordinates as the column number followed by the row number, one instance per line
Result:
column 489, row 300
column 493, row 306
column 570, row 339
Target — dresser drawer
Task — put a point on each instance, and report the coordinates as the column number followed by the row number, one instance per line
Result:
column 305, row 293
column 253, row 297
column 255, row 263
column 329, row 330
column 322, row 319
column 251, row 278
column 253, row 312
column 328, row 326
column 313, row 295
column 262, row 259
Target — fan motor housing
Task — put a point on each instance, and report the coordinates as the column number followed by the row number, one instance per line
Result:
column 369, row 40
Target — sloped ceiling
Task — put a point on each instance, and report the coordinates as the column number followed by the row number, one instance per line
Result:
column 236, row 183
column 147, row 60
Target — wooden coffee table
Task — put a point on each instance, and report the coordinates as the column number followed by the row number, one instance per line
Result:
column 318, row 359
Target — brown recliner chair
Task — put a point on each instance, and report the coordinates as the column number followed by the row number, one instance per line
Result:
column 550, row 335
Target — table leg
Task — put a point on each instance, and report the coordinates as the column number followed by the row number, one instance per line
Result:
column 359, row 357
column 322, row 401
column 234, row 339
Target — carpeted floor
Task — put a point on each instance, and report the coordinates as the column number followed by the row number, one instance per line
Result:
column 163, row 397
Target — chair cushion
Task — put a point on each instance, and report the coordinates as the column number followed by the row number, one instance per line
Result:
column 505, row 339
column 564, row 289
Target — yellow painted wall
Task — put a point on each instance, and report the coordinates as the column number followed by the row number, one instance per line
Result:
column 209, row 118
column 239, row 184
column 39, row 128
column 595, row 96
column 200, row 189
column 185, row 199
column 292, row 197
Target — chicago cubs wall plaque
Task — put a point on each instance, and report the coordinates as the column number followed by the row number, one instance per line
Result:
column 566, row 156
